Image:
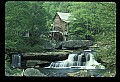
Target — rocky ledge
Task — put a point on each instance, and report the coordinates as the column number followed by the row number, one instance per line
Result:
column 74, row 44
column 47, row 56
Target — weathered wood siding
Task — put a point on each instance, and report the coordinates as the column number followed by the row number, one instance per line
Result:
column 64, row 26
column 59, row 25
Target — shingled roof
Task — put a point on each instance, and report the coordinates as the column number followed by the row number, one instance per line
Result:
column 64, row 16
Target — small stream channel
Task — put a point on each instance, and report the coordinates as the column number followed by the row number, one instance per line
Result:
column 51, row 72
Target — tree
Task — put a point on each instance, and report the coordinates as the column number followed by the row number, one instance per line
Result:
column 24, row 16
column 94, row 17
column 15, row 22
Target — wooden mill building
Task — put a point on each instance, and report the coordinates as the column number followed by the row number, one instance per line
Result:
column 60, row 26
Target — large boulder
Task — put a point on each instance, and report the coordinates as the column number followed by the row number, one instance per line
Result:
column 37, row 63
column 74, row 44
column 33, row 72
column 48, row 46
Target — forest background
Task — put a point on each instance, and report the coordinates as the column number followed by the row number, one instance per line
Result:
column 96, row 19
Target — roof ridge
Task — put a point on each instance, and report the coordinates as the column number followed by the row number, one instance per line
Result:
column 62, row 12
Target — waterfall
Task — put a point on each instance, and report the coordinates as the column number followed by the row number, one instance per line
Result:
column 84, row 60
column 91, row 61
column 16, row 61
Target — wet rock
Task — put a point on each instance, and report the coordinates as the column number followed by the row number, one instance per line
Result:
column 37, row 63
column 33, row 72
column 81, row 73
column 47, row 56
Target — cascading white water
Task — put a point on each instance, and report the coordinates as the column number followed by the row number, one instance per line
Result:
column 91, row 61
column 16, row 61
column 83, row 61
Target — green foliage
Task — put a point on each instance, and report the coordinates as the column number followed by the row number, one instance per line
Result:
column 36, row 48
column 22, row 16
column 94, row 19
column 107, row 49
column 97, row 19
column 9, row 71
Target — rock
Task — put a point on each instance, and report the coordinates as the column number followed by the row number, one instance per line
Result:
column 37, row 63
column 47, row 56
column 87, row 42
column 48, row 46
column 75, row 44
column 58, row 45
column 44, row 59
column 33, row 72
column 81, row 73
column 110, row 74
column 7, row 74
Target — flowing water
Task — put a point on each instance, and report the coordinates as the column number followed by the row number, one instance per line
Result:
column 74, row 63
column 84, row 60
column 16, row 60
column 64, row 72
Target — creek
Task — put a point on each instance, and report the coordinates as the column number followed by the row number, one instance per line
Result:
column 51, row 72
column 84, row 60
column 75, row 63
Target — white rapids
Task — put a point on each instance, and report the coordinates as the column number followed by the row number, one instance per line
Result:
column 84, row 60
